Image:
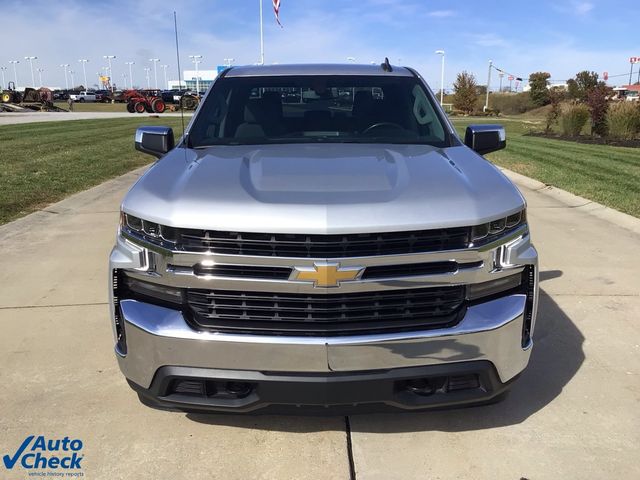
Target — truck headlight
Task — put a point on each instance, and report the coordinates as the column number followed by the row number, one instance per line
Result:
column 488, row 232
column 150, row 231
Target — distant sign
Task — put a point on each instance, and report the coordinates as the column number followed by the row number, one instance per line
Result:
column 220, row 68
column 634, row 59
column 605, row 75
column 511, row 77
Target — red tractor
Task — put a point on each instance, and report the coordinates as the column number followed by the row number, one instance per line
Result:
column 140, row 101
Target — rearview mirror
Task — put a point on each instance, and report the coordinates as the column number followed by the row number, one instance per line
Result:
column 485, row 139
column 155, row 141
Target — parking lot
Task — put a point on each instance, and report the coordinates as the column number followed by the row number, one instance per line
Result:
column 572, row 414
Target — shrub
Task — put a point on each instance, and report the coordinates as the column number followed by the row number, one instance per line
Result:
column 623, row 120
column 598, row 106
column 510, row 103
column 539, row 83
column 573, row 119
column 555, row 97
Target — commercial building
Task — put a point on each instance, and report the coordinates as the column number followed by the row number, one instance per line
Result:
column 190, row 79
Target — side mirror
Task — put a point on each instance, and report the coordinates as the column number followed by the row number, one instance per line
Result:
column 155, row 141
column 485, row 139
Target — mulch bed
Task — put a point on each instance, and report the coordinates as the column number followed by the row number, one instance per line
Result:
column 585, row 139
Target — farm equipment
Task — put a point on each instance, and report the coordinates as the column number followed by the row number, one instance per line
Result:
column 31, row 99
column 189, row 101
column 141, row 101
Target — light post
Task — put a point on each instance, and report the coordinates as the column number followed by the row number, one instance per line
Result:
column 31, row 59
column 66, row 80
column 130, row 73
column 99, row 81
column 155, row 70
column 73, row 82
column 4, row 83
column 40, row 70
column 15, row 71
column 441, row 53
column 164, row 67
column 229, row 61
column 501, row 74
column 109, row 58
column 196, row 59
column 84, row 61
column 147, row 70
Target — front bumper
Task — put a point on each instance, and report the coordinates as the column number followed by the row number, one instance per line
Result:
column 159, row 338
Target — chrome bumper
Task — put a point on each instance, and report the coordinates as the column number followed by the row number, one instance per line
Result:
column 158, row 337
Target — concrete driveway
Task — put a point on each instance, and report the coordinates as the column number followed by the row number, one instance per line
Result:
column 573, row 414
column 11, row 118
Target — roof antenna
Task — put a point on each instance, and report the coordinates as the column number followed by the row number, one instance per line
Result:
column 386, row 66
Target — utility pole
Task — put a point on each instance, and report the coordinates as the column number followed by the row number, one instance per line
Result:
column 155, row 70
column 84, row 61
column 196, row 59
column 66, row 79
column 166, row 84
column 486, row 103
column 441, row 53
column 4, row 83
column 15, row 71
column 130, row 73
column 31, row 59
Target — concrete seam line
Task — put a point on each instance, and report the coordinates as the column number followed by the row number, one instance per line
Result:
column 615, row 217
column 352, row 464
column 20, row 307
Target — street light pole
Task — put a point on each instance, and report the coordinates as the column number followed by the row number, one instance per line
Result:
column 229, row 61
column 66, row 80
column 84, row 61
column 155, row 70
column 4, row 83
column 164, row 67
column 261, row 36
column 15, row 71
column 486, row 103
column 130, row 73
column 109, row 58
column 501, row 74
column 73, row 82
column 441, row 53
column 147, row 70
column 196, row 59
column 31, row 59
column 40, row 70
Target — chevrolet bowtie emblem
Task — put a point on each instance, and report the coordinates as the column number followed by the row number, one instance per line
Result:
column 326, row 274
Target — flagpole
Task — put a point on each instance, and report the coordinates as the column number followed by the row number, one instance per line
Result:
column 261, row 36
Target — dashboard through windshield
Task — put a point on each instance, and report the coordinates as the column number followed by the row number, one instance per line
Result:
column 309, row 109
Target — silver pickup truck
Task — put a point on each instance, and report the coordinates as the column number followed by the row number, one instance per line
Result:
column 321, row 239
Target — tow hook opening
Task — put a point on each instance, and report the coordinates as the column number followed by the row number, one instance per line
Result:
column 213, row 389
column 427, row 386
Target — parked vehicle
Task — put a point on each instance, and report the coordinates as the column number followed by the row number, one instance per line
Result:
column 140, row 101
column 83, row 97
column 294, row 256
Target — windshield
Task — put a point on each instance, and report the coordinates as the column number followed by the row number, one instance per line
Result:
column 306, row 109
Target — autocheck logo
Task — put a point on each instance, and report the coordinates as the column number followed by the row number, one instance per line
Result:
column 38, row 452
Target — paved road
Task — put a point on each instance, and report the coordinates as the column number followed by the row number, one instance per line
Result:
column 572, row 415
column 7, row 118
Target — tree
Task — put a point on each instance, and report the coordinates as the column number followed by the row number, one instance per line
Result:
column 598, row 105
column 464, row 97
column 584, row 82
column 539, row 83
column 556, row 96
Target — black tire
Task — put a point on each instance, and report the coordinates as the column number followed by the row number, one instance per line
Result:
column 139, row 107
column 81, row 100
column 130, row 108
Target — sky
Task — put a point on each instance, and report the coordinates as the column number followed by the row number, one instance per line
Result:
column 561, row 37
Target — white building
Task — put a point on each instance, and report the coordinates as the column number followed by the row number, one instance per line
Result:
column 204, row 77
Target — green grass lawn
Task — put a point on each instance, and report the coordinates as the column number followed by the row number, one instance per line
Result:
column 605, row 174
column 45, row 162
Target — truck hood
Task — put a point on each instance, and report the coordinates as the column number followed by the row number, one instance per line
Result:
column 322, row 188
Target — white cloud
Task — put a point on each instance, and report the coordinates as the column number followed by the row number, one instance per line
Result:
column 582, row 8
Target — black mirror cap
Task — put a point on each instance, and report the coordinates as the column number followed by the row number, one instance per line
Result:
column 485, row 139
column 155, row 141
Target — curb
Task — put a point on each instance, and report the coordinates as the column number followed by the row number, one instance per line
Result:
column 577, row 202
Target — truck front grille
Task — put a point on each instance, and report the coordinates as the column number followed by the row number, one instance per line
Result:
column 322, row 246
column 328, row 314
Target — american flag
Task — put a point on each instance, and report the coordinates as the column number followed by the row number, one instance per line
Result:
column 276, row 10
